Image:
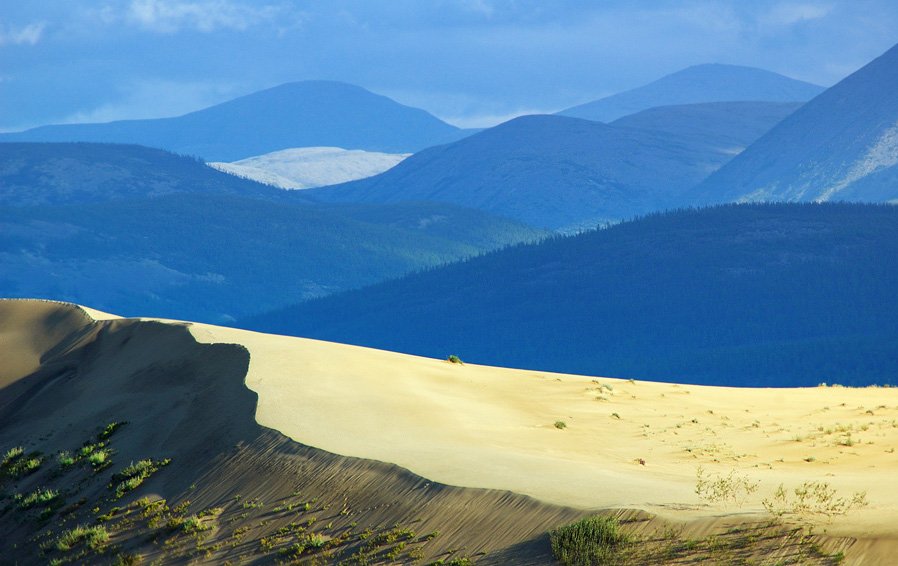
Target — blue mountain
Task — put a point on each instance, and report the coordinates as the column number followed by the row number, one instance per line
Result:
column 699, row 83
column 141, row 231
column 843, row 145
column 566, row 173
column 299, row 114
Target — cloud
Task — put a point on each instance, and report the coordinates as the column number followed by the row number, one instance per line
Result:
column 28, row 35
column 482, row 7
column 793, row 13
column 170, row 16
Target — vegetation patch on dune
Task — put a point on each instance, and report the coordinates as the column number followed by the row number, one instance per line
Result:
column 17, row 464
column 608, row 541
column 590, row 541
column 135, row 474
column 96, row 529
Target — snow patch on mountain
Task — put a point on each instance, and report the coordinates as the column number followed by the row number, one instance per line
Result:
column 308, row 167
column 881, row 154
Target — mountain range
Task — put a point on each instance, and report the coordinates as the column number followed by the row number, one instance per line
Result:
column 699, row 83
column 141, row 230
column 565, row 173
column 843, row 145
column 34, row 174
column 742, row 295
column 299, row 114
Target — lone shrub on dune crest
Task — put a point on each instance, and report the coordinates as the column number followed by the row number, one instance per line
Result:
column 453, row 359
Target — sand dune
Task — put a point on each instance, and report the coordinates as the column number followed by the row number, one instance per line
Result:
column 480, row 426
column 624, row 444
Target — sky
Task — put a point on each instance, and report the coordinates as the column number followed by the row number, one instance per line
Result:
column 473, row 63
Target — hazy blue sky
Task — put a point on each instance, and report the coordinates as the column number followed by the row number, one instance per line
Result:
column 471, row 62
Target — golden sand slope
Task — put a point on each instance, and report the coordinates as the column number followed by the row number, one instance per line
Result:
column 625, row 444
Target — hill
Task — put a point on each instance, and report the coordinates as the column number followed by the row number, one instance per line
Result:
column 699, row 83
column 723, row 127
column 217, row 257
column 843, row 145
column 566, row 173
column 299, row 114
column 140, row 230
column 749, row 295
column 307, row 167
column 34, row 174
column 131, row 440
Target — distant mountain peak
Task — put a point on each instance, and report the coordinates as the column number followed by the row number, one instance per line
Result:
column 843, row 145
column 295, row 114
column 707, row 82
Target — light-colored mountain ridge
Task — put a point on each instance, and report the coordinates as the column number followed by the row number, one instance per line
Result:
column 309, row 167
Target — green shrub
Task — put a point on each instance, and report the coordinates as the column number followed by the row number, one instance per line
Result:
column 16, row 464
column 40, row 496
column 100, row 458
column 593, row 541
column 11, row 455
column 134, row 475
column 560, row 425
column 454, row 359
column 94, row 537
column 65, row 459
column 110, row 429
column 315, row 541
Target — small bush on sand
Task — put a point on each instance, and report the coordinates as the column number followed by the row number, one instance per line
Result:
column 65, row 459
column 40, row 496
column 100, row 458
column 17, row 464
column 593, row 541
column 724, row 489
column 110, row 429
column 812, row 502
column 132, row 476
column 453, row 359
column 11, row 455
column 94, row 537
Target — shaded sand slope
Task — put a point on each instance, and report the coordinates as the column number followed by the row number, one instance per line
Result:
column 186, row 402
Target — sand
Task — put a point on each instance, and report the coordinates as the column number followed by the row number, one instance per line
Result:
column 187, row 402
column 625, row 444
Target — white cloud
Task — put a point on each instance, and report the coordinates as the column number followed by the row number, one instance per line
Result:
column 793, row 13
column 482, row 7
column 169, row 16
column 27, row 35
